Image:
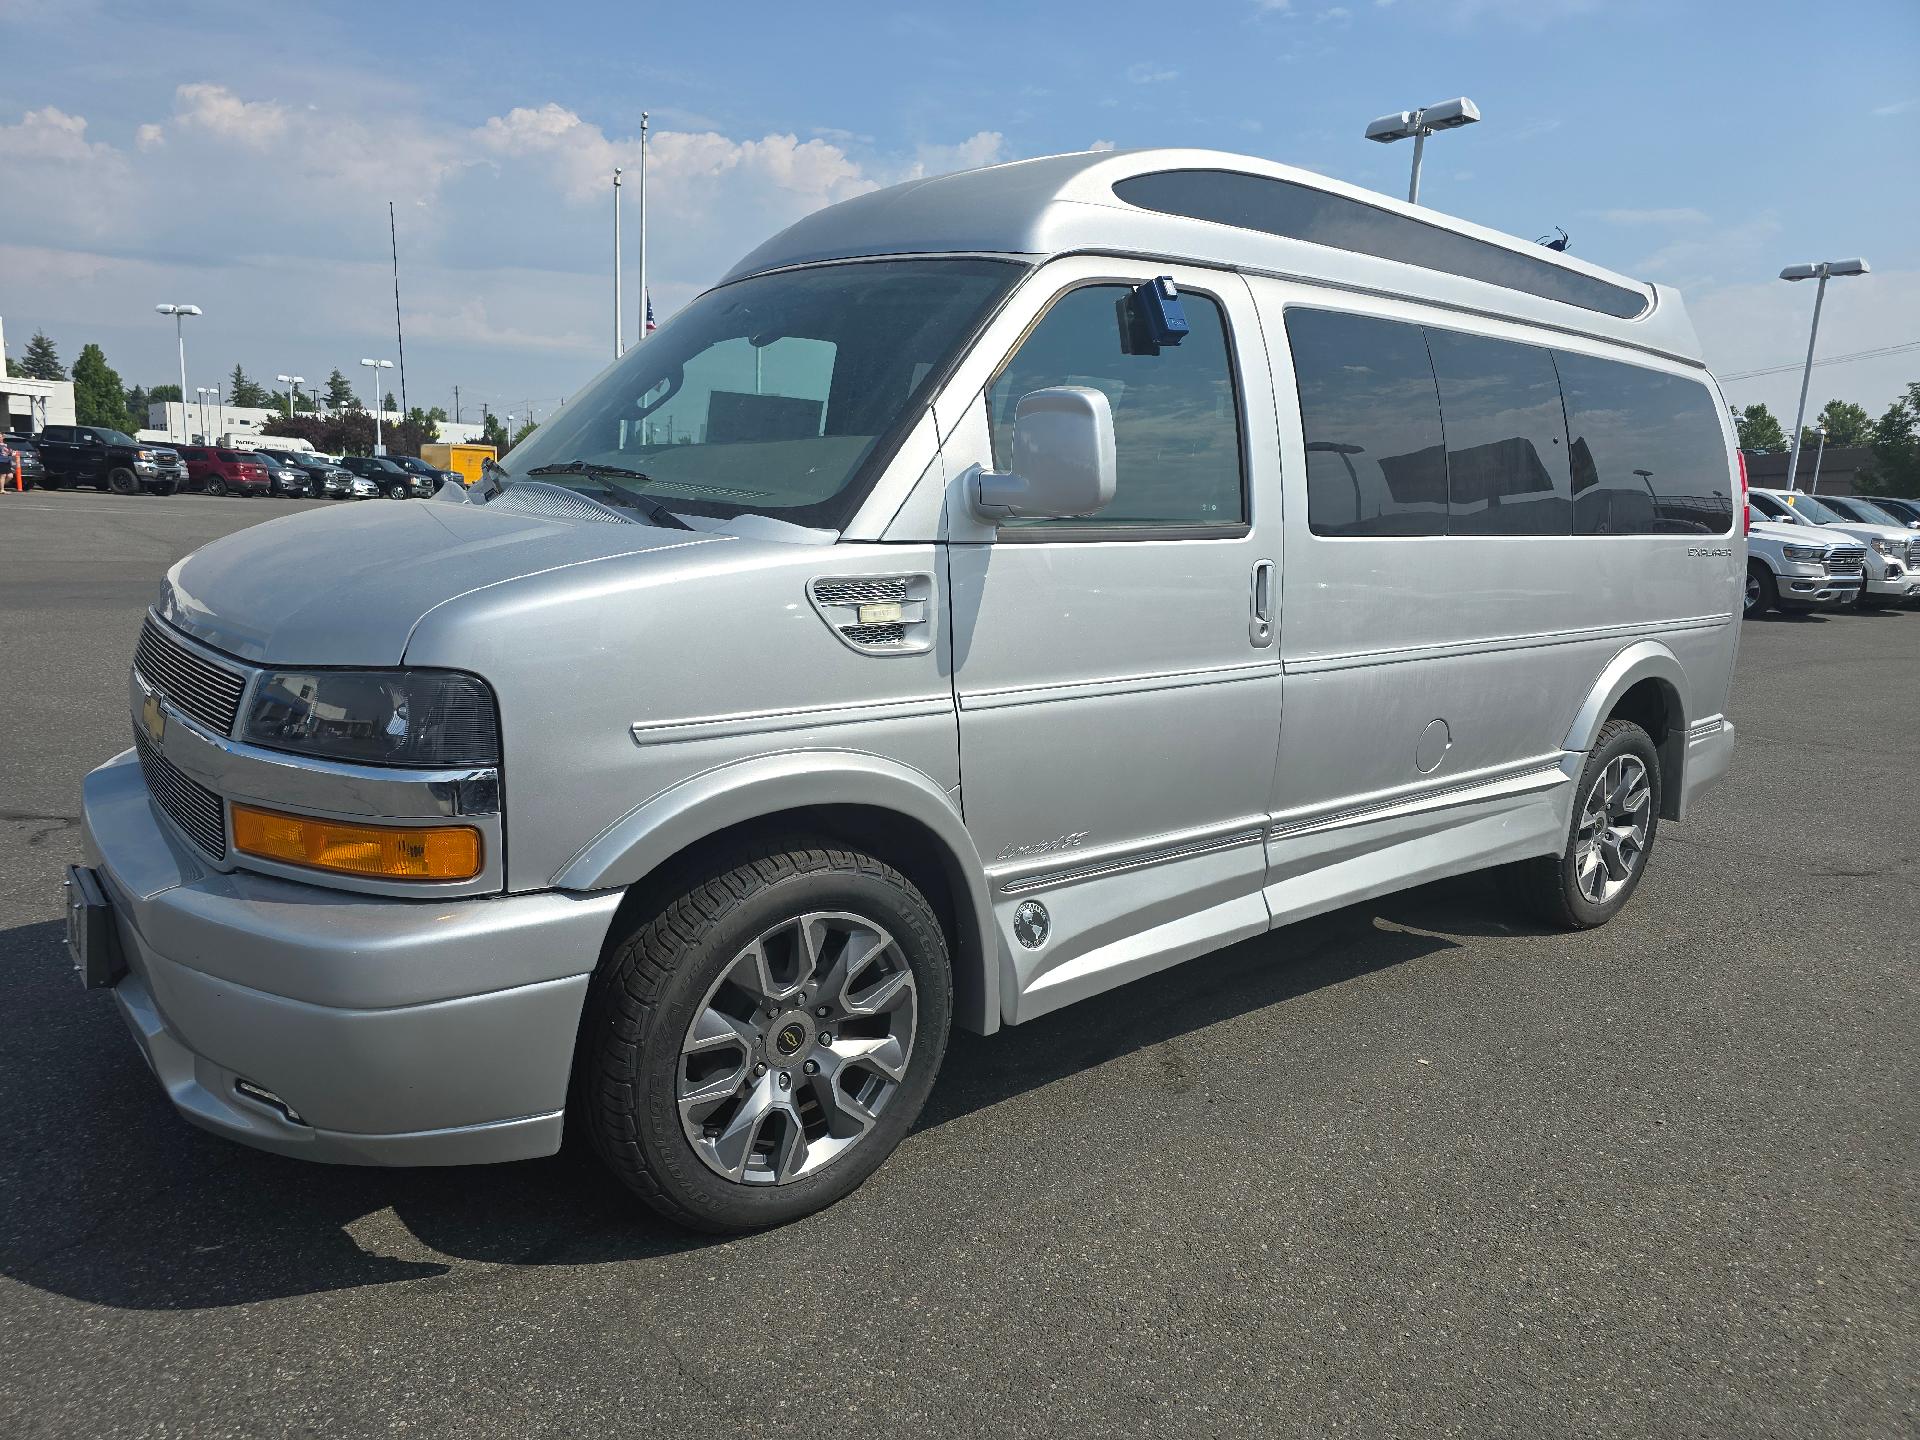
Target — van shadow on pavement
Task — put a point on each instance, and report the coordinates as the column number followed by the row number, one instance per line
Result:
column 109, row 1197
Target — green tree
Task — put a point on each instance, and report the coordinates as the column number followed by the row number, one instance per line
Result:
column 1896, row 448
column 98, row 396
column 438, row 414
column 42, row 361
column 1847, row 424
column 1759, row 430
column 423, row 422
column 392, row 406
column 493, row 431
column 339, row 391
column 158, row 393
column 526, row 428
column 246, row 392
column 137, row 402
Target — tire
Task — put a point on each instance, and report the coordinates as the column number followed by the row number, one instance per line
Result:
column 214, row 486
column 396, row 492
column 122, row 481
column 1762, row 594
column 692, row 959
column 1560, row 888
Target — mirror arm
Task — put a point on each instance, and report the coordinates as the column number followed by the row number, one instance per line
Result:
column 995, row 494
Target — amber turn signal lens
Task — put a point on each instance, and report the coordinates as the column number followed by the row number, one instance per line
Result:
column 380, row 852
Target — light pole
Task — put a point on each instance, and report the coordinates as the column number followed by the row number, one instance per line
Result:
column 202, row 391
column 180, row 314
column 619, row 305
column 641, row 333
column 1416, row 125
column 1822, row 272
column 379, row 401
column 1818, row 455
column 293, row 384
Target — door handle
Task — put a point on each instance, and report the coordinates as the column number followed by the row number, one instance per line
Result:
column 1261, row 605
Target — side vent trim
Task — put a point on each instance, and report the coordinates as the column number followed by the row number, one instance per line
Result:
column 877, row 614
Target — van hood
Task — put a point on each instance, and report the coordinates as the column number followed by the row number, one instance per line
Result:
column 346, row 585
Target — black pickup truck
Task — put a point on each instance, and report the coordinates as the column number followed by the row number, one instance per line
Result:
column 107, row 459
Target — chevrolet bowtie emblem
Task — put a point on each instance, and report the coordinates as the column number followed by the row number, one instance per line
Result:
column 154, row 718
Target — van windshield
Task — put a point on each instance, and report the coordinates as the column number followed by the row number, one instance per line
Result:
column 771, row 395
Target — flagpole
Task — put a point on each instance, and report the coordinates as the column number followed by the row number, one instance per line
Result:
column 619, row 308
column 643, row 225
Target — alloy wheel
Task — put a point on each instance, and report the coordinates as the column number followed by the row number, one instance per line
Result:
column 1614, row 823
column 1753, row 592
column 797, row 1048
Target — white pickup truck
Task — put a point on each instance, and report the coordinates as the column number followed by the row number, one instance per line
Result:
column 1795, row 567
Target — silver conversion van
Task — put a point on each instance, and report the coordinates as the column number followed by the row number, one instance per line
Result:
column 997, row 588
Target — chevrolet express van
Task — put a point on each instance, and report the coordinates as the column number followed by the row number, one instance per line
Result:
column 997, row 588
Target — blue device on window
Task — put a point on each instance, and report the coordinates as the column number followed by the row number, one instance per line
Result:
column 1160, row 308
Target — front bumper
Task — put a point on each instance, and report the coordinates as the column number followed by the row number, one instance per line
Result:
column 1816, row 590
column 1893, row 580
column 399, row 1032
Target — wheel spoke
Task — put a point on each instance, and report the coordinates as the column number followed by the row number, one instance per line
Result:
column 884, row 1054
column 790, row 1154
column 846, row 1117
column 714, row 1029
column 733, row 1146
column 861, row 948
column 886, row 994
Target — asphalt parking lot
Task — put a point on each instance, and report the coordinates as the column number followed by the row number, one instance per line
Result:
column 1417, row 1167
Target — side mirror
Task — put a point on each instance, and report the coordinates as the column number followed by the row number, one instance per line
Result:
column 1063, row 458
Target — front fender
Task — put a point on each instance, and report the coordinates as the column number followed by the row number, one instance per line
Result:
column 715, row 800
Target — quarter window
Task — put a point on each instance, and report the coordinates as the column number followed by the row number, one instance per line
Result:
column 1376, row 459
column 1176, row 420
column 1506, row 436
column 1648, row 454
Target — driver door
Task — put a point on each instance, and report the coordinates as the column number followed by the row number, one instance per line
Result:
column 1118, row 677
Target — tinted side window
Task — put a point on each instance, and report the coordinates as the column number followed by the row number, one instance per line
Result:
column 1176, row 424
column 1647, row 453
column 1506, row 436
column 1376, row 461
column 1300, row 212
column 58, row 433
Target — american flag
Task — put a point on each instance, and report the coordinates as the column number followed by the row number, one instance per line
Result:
column 650, row 326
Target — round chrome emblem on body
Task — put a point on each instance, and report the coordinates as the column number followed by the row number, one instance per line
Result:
column 1031, row 924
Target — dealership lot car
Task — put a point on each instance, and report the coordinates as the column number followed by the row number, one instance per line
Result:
column 1003, row 488
column 18, row 452
column 1893, row 551
column 217, row 471
column 109, row 459
column 391, row 481
column 284, row 478
column 1791, row 567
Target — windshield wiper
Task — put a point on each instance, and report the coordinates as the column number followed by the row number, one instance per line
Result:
column 645, row 504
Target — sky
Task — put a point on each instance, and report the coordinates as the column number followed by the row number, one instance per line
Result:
column 241, row 157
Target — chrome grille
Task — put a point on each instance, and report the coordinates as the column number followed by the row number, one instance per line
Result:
column 190, row 805
column 860, row 592
column 208, row 692
column 1846, row 560
column 871, row 635
column 1913, row 552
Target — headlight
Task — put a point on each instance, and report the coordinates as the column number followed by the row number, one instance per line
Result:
column 376, row 717
column 1802, row 552
column 1887, row 547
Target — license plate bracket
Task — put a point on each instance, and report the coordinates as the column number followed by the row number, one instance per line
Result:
column 93, row 942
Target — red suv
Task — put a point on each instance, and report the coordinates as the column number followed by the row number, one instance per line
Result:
column 224, row 472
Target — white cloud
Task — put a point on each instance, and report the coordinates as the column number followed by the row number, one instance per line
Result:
column 988, row 147
column 76, row 183
column 1271, row 7
column 150, row 137
column 1898, row 107
column 257, row 124
column 1148, row 74
column 1099, row 146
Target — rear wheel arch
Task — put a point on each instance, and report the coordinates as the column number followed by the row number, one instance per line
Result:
column 1644, row 683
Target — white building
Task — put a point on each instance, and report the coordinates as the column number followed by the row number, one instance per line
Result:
column 27, row 405
column 207, row 423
